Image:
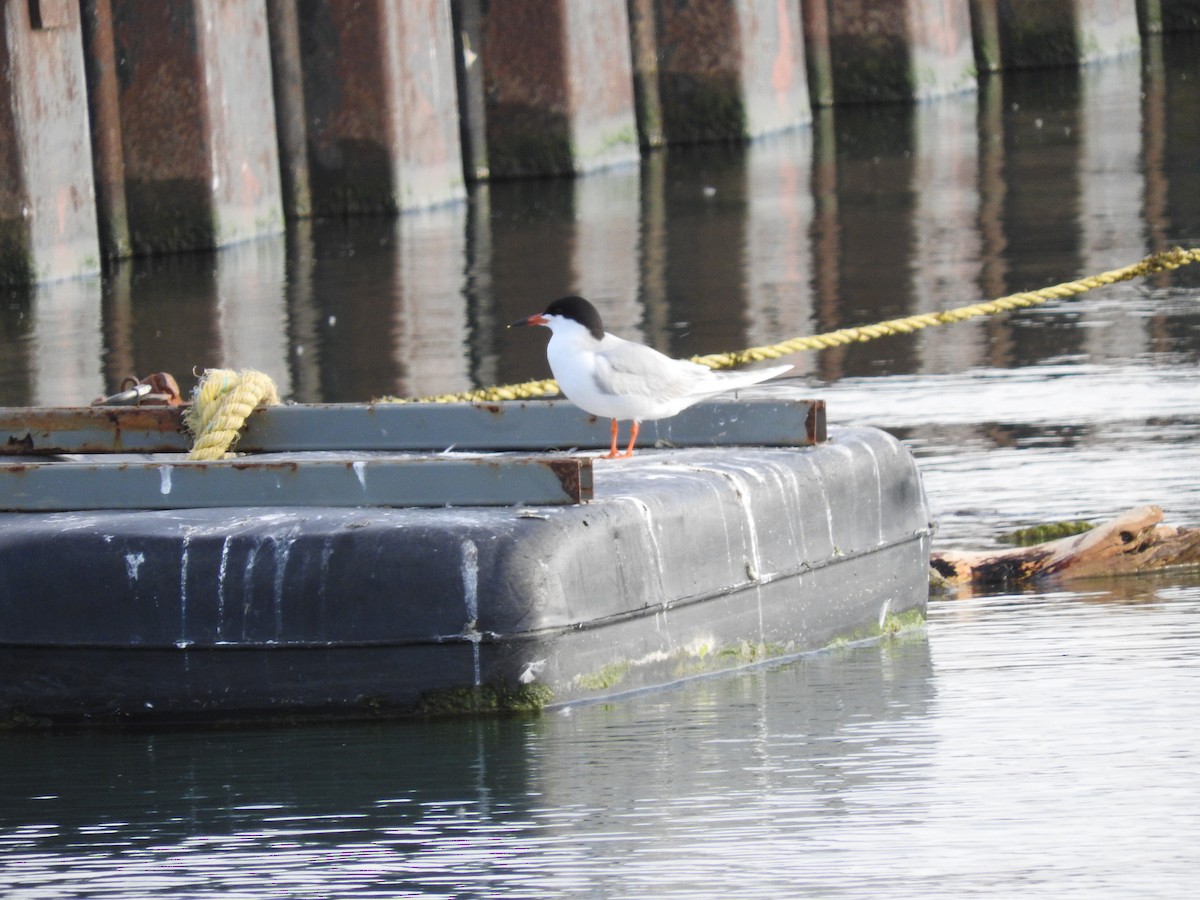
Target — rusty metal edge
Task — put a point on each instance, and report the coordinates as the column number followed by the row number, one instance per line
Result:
column 43, row 431
column 379, row 480
column 145, row 429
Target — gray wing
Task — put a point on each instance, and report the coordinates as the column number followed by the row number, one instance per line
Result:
column 627, row 369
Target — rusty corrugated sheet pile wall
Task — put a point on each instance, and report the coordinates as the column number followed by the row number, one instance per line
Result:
column 138, row 126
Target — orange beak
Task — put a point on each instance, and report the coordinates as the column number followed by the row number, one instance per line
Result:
column 535, row 319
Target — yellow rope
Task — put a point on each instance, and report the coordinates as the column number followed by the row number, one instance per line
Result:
column 221, row 403
column 1157, row 262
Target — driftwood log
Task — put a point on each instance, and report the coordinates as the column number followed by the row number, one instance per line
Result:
column 1132, row 543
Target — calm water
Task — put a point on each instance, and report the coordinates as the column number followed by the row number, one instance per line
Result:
column 1042, row 744
column 1026, row 744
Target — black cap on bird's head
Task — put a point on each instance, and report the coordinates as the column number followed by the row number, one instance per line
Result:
column 575, row 308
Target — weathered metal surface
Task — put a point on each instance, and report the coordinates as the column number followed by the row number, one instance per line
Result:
column 165, row 135
column 1180, row 15
column 942, row 56
column 16, row 262
column 287, row 480
column 240, row 112
column 181, row 108
column 104, row 109
column 382, row 111
column 467, row 18
column 91, row 429
column 699, row 72
column 1037, row 33
column 431, row 168
column 732, row 69
column 985, row 35
column 1150, row 15
column 568, row 107
column 197, row 123
column 643, row 42
column 47, row 207
column 814, row 16
column 687, row 562
column 525, row 94
column 50, row 13
column 903, row 50
column 287, row 78
column 537, row 425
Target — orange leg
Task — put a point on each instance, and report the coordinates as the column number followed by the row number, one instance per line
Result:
column 612, row 453
column 632, row 439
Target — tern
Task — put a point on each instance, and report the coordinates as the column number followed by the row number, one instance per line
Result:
column 618, row 379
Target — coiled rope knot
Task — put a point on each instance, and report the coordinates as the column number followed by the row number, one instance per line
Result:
column 221, row 403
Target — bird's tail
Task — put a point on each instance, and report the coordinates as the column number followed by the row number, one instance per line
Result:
column 732, row 380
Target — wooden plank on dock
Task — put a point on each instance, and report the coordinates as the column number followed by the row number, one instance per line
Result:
column 517, row 425
column 289, row 480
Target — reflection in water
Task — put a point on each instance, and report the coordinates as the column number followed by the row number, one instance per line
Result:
column 1028, row 744
column 874, row 212
column 507, row 806
column 948, row 187
column 429, row 317
column 64, row 347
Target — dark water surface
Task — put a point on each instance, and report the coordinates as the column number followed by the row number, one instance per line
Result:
column 1041, row 744
column 1023, row 744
